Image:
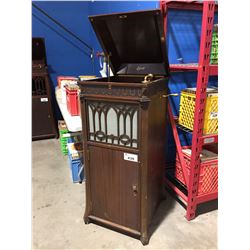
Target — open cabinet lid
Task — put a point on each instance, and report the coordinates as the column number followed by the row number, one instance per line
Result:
column 135, row 41
column 38, row 51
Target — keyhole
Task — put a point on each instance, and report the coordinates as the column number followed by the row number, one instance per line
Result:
column 134, row 190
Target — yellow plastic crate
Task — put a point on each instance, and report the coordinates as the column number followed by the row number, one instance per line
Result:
column 187, row 108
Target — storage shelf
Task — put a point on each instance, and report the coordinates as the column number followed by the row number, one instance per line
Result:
column 207, row 197
column 73, row 123
column 213, row 68
column 186, row 5
column 183, row 67
column 206, row 139
column 181, row 190
column 204, row 69
column 177, row 183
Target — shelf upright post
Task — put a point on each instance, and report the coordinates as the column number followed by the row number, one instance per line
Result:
column 164, row 10
column 202, row 81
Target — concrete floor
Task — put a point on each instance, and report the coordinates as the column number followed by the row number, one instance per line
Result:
column 58, row 207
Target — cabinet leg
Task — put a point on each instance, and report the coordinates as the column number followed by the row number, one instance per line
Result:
column 86, row 220
column 163, row 194
column 144, row 240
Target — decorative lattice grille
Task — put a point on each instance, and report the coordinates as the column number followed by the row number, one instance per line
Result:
column 113, row 123
column 38, row 86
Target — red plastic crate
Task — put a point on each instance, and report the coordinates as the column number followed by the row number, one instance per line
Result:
column 68, row 78
column 72, row 101
column 208, row 181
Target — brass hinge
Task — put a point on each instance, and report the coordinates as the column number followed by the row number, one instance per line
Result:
column 148, row 78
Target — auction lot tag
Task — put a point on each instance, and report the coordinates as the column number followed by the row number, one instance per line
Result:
column 130, row 157
column 213, row 115
column 45, row 99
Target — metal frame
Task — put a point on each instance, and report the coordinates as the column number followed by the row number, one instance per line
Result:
column 204, row 69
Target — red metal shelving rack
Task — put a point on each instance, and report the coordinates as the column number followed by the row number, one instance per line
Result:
column 204, row 70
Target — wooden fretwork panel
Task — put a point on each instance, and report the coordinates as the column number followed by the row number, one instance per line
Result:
column 113, row 123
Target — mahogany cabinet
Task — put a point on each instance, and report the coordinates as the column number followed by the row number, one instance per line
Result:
column 124, row 123
column 43, row 121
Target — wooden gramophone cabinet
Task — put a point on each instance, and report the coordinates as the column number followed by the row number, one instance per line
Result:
column 124, row 123
column 43, row 120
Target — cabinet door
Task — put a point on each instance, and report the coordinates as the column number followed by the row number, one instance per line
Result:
column 114, row 187
column 42, row 123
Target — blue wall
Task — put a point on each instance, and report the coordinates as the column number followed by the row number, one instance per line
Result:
column 66, row 56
